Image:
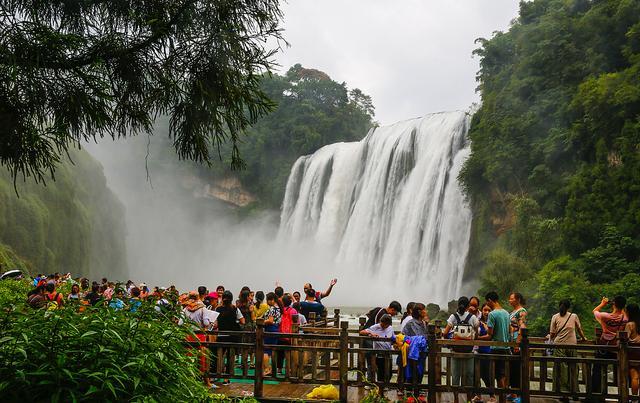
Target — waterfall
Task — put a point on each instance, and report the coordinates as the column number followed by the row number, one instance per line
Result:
column 389, row 206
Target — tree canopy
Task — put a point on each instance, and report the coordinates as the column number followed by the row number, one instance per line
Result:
column 555, row 152
column 73, row 71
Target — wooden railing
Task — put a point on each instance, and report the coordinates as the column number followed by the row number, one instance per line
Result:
column 324, row 353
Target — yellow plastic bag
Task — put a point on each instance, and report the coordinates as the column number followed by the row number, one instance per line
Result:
column 326, row 392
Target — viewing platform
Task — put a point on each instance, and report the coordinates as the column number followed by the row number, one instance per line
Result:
column 326, row 351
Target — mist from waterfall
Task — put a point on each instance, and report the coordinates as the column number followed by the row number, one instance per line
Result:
column 384, row 215
column 389, row 207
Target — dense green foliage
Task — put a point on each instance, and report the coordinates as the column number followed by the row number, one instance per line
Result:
column 554, row 175
column 82, row 70
column 312, row 111
column 73, row 224
column 95, row 355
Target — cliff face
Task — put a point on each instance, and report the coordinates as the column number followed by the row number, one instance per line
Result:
column 73, row 224
column 228, row 190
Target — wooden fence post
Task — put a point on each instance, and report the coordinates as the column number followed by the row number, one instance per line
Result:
column 312, row 319
column 344, row 361
column 431, row 362
column 258, row 378
column 336, row 318
column 623, row 367
column 524, row 370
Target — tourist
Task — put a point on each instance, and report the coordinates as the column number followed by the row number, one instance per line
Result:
column 108, row 291
column 518, row 320
column 296, row 301
column 36, row 298
column 93, row 297
column 633, row 330
column 415, row 327
column 485, row 364
column 74, row 295
column 252, row 296
column 220, row 290
column 406, row 317
column 272, row 319
column 84, row 286
column 286, row 326
column 195, row 312
column 230, row 318
column 134, row 301
column 163, row 305
column 116, row 301
column 279, row 291
column 611, row 322
column 211, row 301
column 463, row 325
column 562, row 330
column 202, row 292
column 144, row 291
column 374, row 315
column 319, row 295
column 474, row 306
column 247, row 310
column 261, row 305
column 311, row 305
column 54, row 299
column 381, row 362
column 498, row 323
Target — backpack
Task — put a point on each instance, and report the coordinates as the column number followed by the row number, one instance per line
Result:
column 286, row 321
column 462, row 330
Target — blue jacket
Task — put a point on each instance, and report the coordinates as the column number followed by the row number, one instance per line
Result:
column 418, row 344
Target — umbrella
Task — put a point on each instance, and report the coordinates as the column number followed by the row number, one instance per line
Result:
column 11, row 274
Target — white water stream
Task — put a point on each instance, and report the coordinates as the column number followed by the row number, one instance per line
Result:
column 389, row 207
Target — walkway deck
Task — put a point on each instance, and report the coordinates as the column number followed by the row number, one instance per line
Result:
column 297, row 392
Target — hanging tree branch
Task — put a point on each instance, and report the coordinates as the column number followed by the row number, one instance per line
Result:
column 71, row 71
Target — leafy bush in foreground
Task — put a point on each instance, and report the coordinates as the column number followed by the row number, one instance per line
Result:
column 99, row 355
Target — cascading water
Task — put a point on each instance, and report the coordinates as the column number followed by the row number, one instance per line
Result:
column 389, row 206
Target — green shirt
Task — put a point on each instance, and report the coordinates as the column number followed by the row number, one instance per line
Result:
column 499, row 322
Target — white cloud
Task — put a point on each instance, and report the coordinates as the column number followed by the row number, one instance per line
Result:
column 412, row 56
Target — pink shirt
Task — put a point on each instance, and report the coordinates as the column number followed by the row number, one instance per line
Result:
column 611, row 323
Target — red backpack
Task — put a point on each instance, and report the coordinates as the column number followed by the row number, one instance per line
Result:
column 286, row 322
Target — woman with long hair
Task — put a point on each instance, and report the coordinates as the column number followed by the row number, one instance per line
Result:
column 406, row 316
column 261, row 306
column 633, row 330
column 562, row 330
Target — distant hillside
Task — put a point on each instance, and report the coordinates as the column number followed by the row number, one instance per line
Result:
column 554, row 174
column 73, row 224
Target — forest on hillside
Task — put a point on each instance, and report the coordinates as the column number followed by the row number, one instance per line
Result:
column 554, row 175
column 71, row 224
column 312, row 110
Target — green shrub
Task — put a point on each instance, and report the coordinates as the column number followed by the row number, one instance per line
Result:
column 98, row 355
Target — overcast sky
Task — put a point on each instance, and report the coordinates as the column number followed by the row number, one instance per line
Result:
column 412, row 56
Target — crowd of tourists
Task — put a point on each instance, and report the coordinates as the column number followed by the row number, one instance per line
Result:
column 473, row 319
column 490, row 321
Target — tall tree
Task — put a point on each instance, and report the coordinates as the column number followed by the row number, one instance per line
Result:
column 73, row 71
